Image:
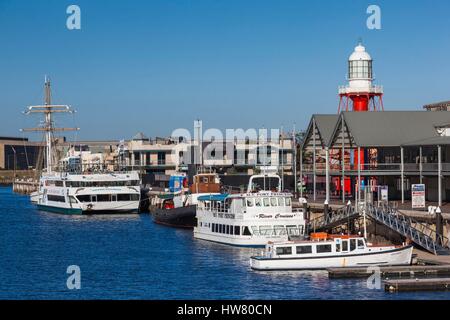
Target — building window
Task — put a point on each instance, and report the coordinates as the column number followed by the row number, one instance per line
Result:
column 161, row 158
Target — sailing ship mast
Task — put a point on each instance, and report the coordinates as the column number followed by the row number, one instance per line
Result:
column 48, row 126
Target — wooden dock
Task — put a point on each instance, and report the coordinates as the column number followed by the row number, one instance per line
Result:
column 435, row 284
column 25, row 187
column 396, row 272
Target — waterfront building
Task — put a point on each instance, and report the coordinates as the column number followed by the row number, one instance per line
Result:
column 397, row 148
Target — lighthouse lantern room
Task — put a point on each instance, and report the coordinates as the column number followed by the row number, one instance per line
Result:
column 360, row 94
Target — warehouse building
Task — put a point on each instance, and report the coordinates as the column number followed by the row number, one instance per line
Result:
column 392, row 148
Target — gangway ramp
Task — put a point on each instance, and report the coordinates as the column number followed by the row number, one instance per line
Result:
column 333, row 219
column 419, row 233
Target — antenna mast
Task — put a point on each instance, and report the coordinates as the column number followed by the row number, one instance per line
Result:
column 48, row 126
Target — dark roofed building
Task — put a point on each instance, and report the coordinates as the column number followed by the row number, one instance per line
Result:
column 390, row 148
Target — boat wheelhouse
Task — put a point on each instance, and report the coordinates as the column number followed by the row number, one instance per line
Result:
column 249, row 219
column 179, row 210
column 329, row 251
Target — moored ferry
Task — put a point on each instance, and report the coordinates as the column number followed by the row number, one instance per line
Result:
column 249, row 219
column 329, row 251
column 85, row 193
column 70, row 186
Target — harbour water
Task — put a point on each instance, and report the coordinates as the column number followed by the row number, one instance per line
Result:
column 130, row 257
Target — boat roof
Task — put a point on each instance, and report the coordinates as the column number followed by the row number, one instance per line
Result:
column 213, row 197
column 329, row 238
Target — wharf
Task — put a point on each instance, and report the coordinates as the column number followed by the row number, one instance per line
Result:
column 398, row 272
column 437, row 284
column 25, row 186
column 428, row 265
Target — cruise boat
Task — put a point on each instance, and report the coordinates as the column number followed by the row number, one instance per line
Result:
column 78, row 192
column 179, row 209
column 72, row 187
column 329, row 251
column 250, row 219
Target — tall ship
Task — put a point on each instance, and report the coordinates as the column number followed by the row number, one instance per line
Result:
column 69, row 185
column 252, row 219
column 178, row 209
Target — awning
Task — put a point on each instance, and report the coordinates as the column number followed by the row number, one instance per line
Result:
column 214, row 197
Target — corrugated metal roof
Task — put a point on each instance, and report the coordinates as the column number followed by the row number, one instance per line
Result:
column 393, row 128
column 435, row 141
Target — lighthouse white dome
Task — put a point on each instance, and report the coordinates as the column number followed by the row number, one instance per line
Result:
column 360, row 53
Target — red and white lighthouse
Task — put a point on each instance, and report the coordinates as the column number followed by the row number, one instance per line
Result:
column 360, row 94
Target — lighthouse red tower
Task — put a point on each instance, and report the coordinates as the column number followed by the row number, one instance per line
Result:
column 360, row 94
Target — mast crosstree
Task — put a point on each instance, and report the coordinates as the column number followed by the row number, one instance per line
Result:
column 48, row 126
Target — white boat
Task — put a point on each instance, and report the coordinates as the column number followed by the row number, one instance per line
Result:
column 249, row 219
column 85, row 193
column 329, row 252
column 73, row 187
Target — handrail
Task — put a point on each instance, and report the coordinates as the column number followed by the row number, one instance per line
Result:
column 418, row 232
column 338, row 215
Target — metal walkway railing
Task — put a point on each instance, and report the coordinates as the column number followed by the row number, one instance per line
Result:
column 334, row 219
column 419, row 233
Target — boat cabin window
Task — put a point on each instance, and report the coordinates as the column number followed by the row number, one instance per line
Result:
column 352, row 244
column 72, row 199
column 284, row 250
column 237, row 230
column 345, row 245
column 249, row 202
column 266, row 202
column 338, row 247
column 114, row 197
column 266, row 230
column 56, row 198
column 94, row 198
column 304, row 249
column 280, row 230
column 361, row 244
column 322, row 248
column 288, row 202
column 103, row 197
column 293, row 230
column 246, row 232
column 59, row 183
column 281, row 202
column 273, row 202
column 258, row 202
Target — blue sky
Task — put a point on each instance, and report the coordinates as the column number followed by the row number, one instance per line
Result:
column 154, row 66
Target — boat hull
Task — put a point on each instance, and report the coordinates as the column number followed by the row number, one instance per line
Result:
column 183, row 217
column 238, row 241
column 394, row 257
column 78, row 211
